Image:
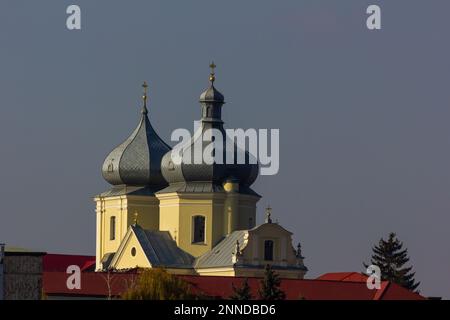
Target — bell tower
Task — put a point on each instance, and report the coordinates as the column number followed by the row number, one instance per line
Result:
column 134, row 171
column 204, row 202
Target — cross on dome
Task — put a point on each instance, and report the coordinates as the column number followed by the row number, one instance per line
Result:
column 268, row 214
column 212, row 75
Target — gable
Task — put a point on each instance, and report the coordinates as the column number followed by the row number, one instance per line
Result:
column 270, row 243
column 273, row 229
column 130, row 253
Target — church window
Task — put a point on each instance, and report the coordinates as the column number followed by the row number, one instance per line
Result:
column 199, row 229
column 268, row 250
column 112, row 228
column 133, row 252
column 111, row 166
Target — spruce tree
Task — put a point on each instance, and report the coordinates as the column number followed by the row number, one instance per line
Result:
column 242, row 293
column 270, row 286
column 391, row 258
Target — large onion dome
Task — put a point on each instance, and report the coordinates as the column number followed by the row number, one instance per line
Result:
column 137, row 161
column 211, row 101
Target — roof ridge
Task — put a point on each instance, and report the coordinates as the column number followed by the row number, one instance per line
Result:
column 380, row 292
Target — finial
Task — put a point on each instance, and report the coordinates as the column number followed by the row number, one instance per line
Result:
column 136, row 218
column 212, row 75
column 238, row 249
column 268, row 214
column 144, row 97
column 299, row 251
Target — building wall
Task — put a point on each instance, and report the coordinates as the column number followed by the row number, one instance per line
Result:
column 239, row 210
column 176, row 216
column 248, row 272
column 22, row 277
column 284, row 274
column 223, row 212
column 123, row 208
column 247, row 212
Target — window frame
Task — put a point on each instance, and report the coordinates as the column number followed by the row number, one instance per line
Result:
column 112, row 228
column 266, row 251
column 193, row 228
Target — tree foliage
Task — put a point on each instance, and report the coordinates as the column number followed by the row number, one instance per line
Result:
column 158, row 284
column 391, row 258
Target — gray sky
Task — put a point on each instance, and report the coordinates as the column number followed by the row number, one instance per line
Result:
column 363, row 116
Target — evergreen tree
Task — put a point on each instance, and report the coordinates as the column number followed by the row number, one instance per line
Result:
column 270, row 286
column 391, row 258
column 242, row 293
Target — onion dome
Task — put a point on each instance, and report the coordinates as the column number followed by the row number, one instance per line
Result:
column 212, row 95
column 137, row 161
column 211, row 101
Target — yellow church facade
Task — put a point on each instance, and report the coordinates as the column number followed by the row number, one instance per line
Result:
column 187, row 218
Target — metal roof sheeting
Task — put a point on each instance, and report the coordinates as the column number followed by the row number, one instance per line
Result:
column 161, row 250
column 129, row 190
column 221, row 255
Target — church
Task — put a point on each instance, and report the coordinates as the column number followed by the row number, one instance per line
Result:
column 190, row 219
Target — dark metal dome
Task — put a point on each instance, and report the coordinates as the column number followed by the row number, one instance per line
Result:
column 245, row 174
column 211, row 101
column 137, row 161
column 212, row 95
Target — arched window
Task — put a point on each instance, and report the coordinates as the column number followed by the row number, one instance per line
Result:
column 199, row 229
column 112, row 228
column 268, row 250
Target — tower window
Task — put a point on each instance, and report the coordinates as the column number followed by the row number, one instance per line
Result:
column 199, row 229
column 268, row 250
column 112, row 228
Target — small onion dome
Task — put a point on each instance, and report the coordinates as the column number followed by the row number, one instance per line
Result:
column 137, row 161
column 212, row 95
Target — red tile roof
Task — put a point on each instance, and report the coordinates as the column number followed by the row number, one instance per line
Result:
column 388, row 291
column 344, row 276
column 60, row 262
column 95, row 284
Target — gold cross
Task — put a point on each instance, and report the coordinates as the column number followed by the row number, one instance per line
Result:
column 144, row 97
column 212, row 76
column 136, row 218
column 212, row 66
